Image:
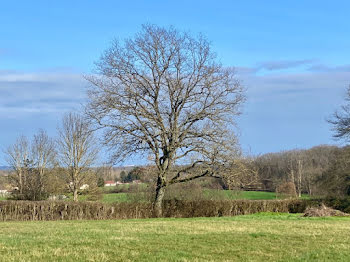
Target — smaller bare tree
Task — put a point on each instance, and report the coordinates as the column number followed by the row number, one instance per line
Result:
column 32, row 163
column 16, row 156
column 286, row 190
column 43, row 160
column 77, row 148
column 240, row 174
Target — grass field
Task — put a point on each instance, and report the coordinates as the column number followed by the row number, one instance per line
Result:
column 250, row 195
column 260, row 237
column 115, row 197
column 208, row 193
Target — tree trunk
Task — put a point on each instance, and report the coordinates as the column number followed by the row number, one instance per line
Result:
column 300, row 166
column 75, row 195
column 20, row 188
column 158, row 209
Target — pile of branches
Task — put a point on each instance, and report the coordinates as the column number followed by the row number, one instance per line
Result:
column 323, row 211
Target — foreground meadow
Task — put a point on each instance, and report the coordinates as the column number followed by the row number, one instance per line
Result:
column 260, row 237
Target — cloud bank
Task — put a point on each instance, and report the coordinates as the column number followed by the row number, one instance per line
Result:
column 288, row 110
column 39, row 93
column 285, row 109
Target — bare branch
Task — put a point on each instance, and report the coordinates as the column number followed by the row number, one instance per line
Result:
column 163, row 93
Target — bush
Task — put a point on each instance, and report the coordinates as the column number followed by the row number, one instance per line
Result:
column 286, row 190
column 189, row 191
column 94, row 194
column 212, row 183
column 100, row 182
column 342, row 204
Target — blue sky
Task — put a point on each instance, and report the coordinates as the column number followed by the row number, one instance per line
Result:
column 292, row 56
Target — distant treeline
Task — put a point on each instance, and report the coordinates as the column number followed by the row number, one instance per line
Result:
column 320, row 171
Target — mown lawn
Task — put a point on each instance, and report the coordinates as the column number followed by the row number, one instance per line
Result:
column 260, row 237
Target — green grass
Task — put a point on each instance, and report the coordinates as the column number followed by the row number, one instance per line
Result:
column 208, row 194
column 260, row 237
column 115, row 197
column 250, row 195
column 108, row 189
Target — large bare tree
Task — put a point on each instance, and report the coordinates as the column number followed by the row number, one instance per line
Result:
column 341, row 120
column 163, row 93
column 77, row 150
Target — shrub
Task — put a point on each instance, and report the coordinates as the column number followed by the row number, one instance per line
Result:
column 286, row 190
column 342, row 204
column 100, row 182
column 212, row 183
column 189, row 191
column 94, row 194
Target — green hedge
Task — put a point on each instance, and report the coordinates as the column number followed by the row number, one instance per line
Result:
column 62, row 210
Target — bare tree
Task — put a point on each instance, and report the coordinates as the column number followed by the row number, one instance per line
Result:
column 241, row 174
column 341, row 120
column 163, row 93
column 305, row 168
column 32, row 162
column 77, row 150
column 16, row 156
column 43, row 160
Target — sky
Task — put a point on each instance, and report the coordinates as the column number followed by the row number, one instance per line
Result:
column 292, row 57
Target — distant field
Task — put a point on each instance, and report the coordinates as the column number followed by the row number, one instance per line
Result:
column 260, row 237
column 115, row 197
column 251, row 195
column 208, row 194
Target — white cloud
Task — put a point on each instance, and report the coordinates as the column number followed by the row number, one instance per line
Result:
column 283, row 64
column 326, row 68
column 289, row 110
column 283, row 110
column 44, row 93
